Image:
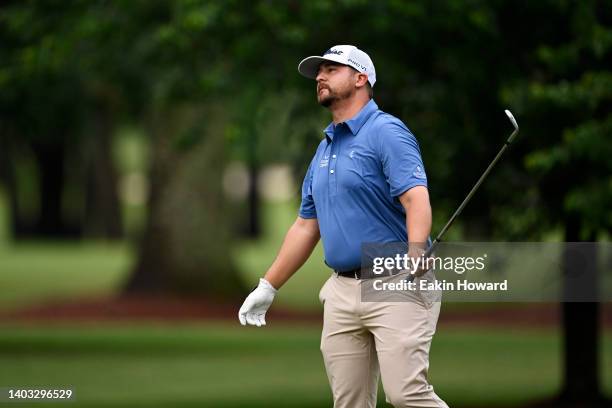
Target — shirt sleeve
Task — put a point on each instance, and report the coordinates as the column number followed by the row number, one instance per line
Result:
column 401, row 158
column 307, row 207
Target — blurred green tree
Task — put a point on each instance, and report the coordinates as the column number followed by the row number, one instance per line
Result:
column 565, row 103
column 57, row 115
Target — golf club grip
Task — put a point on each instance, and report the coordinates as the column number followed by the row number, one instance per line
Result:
column 425, row 255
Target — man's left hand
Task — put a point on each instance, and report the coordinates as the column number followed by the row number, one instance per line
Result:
column 423, row 265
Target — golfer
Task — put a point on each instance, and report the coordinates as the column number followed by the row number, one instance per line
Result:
column 365, row 184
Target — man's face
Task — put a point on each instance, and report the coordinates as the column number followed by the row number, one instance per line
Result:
column 335, row 82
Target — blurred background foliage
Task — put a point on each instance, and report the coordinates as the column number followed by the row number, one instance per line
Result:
column 201, row 85
column 159, row 145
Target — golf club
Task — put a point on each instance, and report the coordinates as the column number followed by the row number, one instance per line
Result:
column 471, row 193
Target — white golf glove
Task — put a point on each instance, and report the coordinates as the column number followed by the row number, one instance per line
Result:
column 255, row 306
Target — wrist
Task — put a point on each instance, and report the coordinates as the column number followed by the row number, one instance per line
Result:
column 265, row 284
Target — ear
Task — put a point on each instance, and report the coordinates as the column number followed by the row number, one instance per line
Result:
column 362, row 80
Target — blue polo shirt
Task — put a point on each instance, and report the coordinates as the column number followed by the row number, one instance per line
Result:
column 354, row 180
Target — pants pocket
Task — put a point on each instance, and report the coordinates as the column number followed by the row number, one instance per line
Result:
column 323, row 290
column 429, row 296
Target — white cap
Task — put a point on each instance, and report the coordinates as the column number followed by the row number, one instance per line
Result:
column 342, row 54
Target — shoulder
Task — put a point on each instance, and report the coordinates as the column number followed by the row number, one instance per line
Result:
column 392, row 123
column 384, row 123
column 389, row 130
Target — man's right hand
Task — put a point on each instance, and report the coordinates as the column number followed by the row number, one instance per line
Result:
column 255, row 306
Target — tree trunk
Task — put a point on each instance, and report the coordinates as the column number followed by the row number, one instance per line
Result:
column 581, row 385
column 254, row 225
column 102, row 206
column 186, row 246
column 50, row 159
column 18, row 225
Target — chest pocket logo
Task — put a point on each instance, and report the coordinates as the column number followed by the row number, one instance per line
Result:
column 350, row 175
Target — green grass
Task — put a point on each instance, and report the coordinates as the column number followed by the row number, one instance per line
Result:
column 223, row 365
column 36, row 273
column 33, row 273
column 198, row 365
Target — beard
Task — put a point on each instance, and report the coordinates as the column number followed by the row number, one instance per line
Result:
column 333, row 96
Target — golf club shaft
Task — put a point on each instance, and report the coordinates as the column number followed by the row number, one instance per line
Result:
column 438, row 239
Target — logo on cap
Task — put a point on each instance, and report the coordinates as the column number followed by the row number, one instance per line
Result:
column 357, row 64
column 332, row 51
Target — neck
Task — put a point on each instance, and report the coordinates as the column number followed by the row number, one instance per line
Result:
column 345, row 109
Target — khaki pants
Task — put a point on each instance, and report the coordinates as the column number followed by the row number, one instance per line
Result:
column 362, row 339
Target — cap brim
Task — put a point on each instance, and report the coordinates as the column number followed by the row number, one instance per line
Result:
column 309, row 66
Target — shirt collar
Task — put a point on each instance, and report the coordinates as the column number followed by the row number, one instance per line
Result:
column 356, row 122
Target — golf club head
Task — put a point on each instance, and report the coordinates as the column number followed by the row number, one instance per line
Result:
column 516, row 127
